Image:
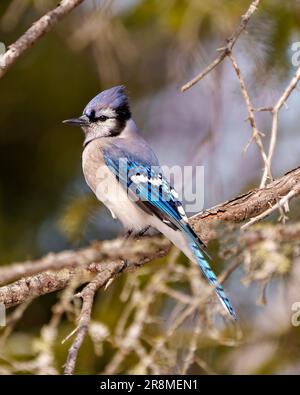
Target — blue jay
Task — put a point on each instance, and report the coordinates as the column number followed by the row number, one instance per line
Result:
column 124, row 173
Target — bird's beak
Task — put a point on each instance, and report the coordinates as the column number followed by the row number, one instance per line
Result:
column 81, row 121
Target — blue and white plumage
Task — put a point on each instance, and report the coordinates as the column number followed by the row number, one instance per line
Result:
column 124, row 173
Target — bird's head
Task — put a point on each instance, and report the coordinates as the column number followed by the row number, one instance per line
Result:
column 105, row 115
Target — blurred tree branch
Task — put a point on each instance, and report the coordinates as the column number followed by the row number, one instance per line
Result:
column 100, row 263
column 274, row 129
column 55, row 271
column 106, row 258
column 35, row 32
column 226, row 51
column 87, row 295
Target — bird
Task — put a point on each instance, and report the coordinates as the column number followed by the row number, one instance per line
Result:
column 125, row 175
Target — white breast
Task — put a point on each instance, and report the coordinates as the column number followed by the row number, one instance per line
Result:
column 105, row 186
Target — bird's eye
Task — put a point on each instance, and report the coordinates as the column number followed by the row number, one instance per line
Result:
column 91, row 116
column 102, row 118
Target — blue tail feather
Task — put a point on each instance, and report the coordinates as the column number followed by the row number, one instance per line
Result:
column 209, row 274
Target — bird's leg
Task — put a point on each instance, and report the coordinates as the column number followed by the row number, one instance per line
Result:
column 142, row 232
column 124, row 265
column 128, row 234
column 136, row 235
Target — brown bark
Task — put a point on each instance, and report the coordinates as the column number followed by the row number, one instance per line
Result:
column 95, row 258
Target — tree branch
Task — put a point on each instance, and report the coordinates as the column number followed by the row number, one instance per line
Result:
column 100, row 263
column 275, row 110
column 35, row 32
column 87, row 295
column 247, row 206
column 110, row 254
column 97, row 257
column 256, row 134
column 227, row 49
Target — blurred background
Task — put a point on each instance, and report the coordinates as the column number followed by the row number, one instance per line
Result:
column 152, row 47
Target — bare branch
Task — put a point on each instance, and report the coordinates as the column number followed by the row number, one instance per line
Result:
column 247, row 206
column 282, row 202
column 37, row 285
column 256, row 135
column 117, row 256
column 275, row 110
column 134, row 252
column 87, row 295
column 227, row 49
column 51, row 262
column 35, row 32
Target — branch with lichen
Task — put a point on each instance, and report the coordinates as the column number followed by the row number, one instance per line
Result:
column 54, row 271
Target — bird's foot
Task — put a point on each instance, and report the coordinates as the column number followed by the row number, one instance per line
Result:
column 128, row 234
column 142, row 232
column 125, row 265
column 131, row 234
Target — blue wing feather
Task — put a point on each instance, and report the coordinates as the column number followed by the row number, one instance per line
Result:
column 155, row 192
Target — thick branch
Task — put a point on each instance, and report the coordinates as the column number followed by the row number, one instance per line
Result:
column 249, row 205
column 113, row 255
column 35, row 32
column 37, row 285
column 101, row 262
column 40, row 280
column 94, row 253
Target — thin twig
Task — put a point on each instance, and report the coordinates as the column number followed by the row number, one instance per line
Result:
column 87, row 295
column 242, row 208
column 228, row 48
column 35, row 32
column 255, row 132
column 281, row 203
column 191, row 353
column 275, row 110
column 12, row 320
